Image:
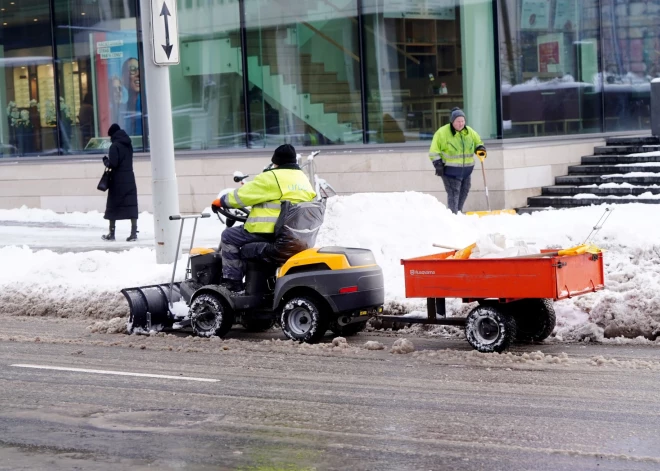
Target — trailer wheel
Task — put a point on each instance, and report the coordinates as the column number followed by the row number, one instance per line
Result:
column 210, row 316
column 257, row 325
column 348, row 329
column 303, row 319
column 489, row 329
column 535, row 319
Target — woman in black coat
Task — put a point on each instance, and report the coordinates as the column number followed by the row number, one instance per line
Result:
column 122, row 191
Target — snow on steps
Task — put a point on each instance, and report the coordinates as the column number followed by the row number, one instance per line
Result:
column 626, row 170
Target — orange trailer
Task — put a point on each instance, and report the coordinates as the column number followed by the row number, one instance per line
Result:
column 515, row 295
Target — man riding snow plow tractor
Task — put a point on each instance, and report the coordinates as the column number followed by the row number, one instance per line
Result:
column 306, row 290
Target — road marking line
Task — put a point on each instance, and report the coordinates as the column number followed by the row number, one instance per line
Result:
column 118, row 373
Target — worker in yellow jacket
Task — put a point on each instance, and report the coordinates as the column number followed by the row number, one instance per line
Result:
column 283, row 181
column 452, row 154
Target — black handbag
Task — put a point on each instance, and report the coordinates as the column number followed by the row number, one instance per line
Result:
column 104, row 182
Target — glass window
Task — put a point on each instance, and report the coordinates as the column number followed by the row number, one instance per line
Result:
column 550, row 58
column 304, row 72
column 424, row 58
column 631, row 59
column 207, row 86
column 98, row 74
column 26, row 79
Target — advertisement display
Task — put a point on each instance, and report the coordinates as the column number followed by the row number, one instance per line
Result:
column 117, row 81
column 535, row 15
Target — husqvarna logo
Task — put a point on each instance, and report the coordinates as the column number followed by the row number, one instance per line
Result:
column 419, row 272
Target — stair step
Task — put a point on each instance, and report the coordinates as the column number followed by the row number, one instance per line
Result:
column 559, row 202
column 623, row 150
column 326, row 98
column 597, row 179
column 571, row 190
column 337, row 88
column 608, row 169
column 632, row 141
column 292, row 69
column 353, row 107
column 618, row 159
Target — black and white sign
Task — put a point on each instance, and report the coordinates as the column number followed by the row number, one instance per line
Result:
column 164, row 32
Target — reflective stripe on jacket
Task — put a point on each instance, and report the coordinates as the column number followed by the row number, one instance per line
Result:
column 265, row 194
column 456, row 149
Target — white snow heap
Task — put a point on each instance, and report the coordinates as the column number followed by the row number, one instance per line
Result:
column 87, row 283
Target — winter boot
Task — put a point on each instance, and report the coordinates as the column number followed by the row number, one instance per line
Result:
column 111, row 232
column 232, row 285
column 134, row 231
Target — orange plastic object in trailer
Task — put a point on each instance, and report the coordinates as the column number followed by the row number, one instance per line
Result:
column 515, row 295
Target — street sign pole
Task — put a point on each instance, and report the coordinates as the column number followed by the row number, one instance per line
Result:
column 160, row 39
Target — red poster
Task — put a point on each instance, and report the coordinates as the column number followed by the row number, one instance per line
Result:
column 548, row 56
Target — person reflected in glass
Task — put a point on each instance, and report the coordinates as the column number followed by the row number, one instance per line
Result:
column 86, row 119
column 131, row 80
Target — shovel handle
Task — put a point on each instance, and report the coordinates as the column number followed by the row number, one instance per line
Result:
column 446, row 247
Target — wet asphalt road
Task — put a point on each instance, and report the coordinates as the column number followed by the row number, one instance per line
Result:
column 285, row 408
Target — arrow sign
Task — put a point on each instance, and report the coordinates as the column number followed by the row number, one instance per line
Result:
column 167, row 47
column 164, row 32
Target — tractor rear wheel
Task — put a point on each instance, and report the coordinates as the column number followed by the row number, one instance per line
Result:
column 304, row 319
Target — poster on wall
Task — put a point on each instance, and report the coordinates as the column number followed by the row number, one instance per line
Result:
column 535, row 15
column 566, row 15
column 117, row 82
column 550, row 53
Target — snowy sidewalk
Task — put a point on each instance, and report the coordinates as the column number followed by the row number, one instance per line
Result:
column 57, row 265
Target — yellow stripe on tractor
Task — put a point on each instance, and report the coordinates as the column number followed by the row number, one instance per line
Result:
column 201, row 251
column 334, row 261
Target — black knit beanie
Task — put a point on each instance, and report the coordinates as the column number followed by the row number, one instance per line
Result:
column 284, row 154
column 113, row 129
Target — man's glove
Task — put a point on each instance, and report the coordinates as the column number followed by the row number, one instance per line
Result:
column 481, row 152
column 439, row 167
column 217, row 204
column 106, row 161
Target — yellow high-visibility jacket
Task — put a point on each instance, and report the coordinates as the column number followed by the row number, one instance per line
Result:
column 456, row 149
column 265, row 194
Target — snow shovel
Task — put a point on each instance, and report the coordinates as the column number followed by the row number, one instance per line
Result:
column 481, row 155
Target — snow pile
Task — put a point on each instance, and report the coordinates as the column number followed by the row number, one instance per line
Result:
column 373, row 345
column 393, row 225
column 402, row 347
column 79, row 285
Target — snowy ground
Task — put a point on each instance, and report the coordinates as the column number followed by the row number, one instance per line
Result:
column 56, row 265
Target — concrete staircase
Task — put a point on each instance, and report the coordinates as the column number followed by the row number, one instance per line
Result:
column 611, row 175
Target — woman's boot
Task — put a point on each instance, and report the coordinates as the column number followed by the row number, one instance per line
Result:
column 134, row 231
column 111, row 234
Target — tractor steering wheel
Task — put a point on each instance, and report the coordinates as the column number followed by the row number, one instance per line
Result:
column 234, row 215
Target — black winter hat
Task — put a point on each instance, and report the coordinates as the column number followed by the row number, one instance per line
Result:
column 113, row 129
column 284, row 154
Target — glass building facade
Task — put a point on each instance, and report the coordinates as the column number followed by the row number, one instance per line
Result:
column 258, row 73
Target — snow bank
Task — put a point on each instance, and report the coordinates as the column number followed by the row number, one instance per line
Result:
column 393, row 225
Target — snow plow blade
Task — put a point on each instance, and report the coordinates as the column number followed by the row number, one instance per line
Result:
column 149, row 306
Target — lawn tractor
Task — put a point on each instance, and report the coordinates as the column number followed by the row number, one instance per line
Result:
column 334, row 288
